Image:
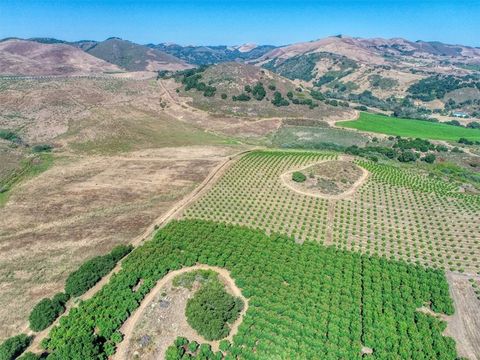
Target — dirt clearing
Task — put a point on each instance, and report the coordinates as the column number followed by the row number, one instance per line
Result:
column 335, row 179
column 161, row 318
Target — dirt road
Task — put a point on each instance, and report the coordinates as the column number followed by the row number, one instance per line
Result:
column 464, row 325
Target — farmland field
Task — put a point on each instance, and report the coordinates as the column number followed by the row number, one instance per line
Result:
column 386, row 216
column 303, row 299
column 410, row 128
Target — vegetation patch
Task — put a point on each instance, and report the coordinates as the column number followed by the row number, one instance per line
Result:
column 13, row 347
column 183, row 348
column 410, row 128
column 435, row 87
column 212, row 309
column 46, row 311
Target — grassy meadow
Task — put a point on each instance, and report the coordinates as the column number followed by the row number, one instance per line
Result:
column 410, row 128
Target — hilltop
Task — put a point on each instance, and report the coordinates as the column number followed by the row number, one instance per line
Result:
column 131, row 56
column 247, row 90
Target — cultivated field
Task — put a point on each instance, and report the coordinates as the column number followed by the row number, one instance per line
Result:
column 395, row 214
column 349, row 306
column 410, row 128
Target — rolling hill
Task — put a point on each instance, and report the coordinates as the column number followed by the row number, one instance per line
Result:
column 247, row 90
column 21, row 57
column 374, row 71
column 131, row 56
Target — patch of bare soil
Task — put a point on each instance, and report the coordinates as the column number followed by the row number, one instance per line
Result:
column 464, row 325
column 333, row 179
column 82, row 207
column 161, row 318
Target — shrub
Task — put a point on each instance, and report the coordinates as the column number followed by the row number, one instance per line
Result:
column 79, row 281
column 9, row 135
column 297, row 176
column 224, row 96
column 42, row 148
column 361, row 108
column 211, row 309
column 278, row 100
column 430, row 158
column 407, row 156
column 12, row 347
column 241, row 97
column 46, row 311
column 317, row 95
column 465, row 141
column 272, row 87
column 258, row 91
column 473, row 125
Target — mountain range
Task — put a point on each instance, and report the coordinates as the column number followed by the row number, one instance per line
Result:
column 374, row 72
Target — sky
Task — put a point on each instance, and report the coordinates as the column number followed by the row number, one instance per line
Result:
column 233, row 22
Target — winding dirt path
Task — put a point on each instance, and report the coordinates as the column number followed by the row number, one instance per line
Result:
column 129, row 325
column 346, row 194
column 161, row 221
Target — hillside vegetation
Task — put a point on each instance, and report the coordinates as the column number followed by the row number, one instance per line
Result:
column 246, row 90
column 206, row 55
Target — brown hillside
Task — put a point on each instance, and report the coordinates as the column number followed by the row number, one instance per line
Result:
column 21, row 57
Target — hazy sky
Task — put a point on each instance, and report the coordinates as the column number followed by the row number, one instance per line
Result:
column 235, row 22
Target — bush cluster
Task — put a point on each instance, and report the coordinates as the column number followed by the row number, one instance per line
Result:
column 191, row 79
column 279, row 100
column 211, row 309
column 182, row 348
column 298, row 176
column 46, row 311
column 11, row 348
